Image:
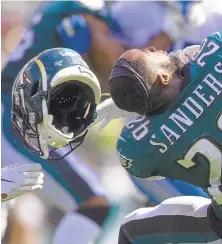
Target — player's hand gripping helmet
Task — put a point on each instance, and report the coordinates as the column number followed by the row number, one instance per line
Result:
column 54, row 100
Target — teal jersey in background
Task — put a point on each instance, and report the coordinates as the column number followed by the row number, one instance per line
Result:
column 42, row 34
column 185, row 142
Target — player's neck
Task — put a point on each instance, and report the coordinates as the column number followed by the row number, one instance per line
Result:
column 176, row 62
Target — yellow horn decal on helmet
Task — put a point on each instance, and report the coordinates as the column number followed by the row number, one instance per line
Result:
column 43, row 125
column 44, row 88
column 43, row 74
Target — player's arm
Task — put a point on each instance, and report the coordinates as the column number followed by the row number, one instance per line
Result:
column 132, row 143
column 135, row 153
column 18, row 179
column 108, row 111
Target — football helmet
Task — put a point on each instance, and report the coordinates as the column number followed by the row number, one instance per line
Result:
column 54, row 100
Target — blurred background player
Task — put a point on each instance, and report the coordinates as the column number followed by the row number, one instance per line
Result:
column 195, row 20
column 90, row 30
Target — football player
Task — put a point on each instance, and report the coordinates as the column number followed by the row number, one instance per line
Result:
column 89, row 29
column 168, row 32
column 182, row 138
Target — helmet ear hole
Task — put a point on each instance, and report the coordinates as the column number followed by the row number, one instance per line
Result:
column 35, row 88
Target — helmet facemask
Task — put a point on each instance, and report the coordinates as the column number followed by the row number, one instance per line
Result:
column 25, row 123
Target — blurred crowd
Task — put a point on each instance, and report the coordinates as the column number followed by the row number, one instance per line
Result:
column 33, row 212
column 13, row 22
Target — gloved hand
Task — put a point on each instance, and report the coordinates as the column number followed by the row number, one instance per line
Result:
column 18, row 179
column 107, row 111
column 181, row 21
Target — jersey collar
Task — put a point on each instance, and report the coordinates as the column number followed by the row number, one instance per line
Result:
column 185, row 74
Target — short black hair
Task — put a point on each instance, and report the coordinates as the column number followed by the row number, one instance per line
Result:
column 129, row 95
column 141, row 68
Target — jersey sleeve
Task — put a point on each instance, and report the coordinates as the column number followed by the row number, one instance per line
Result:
column 210, row 49
column 217, row 36
column 134, row 151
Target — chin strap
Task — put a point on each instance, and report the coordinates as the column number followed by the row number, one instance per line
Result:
column 78, row 142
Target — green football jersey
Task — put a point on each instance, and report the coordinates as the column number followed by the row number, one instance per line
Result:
column 185, row 142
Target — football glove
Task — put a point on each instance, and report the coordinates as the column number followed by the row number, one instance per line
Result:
column 18, row 179
column 107, row 111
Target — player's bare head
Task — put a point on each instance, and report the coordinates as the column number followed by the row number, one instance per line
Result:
column 139, row 81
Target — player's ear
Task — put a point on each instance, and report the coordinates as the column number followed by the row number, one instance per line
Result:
column 164, row 79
